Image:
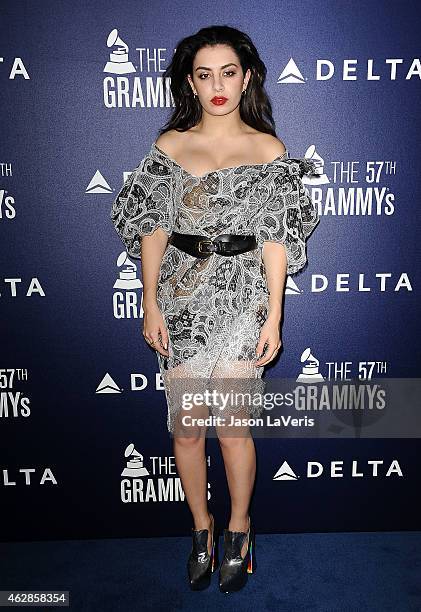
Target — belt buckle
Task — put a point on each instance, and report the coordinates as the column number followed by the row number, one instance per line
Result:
column 199, row 245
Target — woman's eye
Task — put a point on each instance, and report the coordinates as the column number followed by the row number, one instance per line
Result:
column 205, row 74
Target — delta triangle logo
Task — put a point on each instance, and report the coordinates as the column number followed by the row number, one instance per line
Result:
column 291, row 74
column 108, row 385
column 285, row 472
column 292, row 287
column 98, row 184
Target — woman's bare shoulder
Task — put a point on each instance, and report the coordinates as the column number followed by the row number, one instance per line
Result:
column 169, row 141
column 266, row 145
column 269, row 146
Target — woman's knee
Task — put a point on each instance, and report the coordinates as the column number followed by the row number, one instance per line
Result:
column 189, row 438
column 231, row 441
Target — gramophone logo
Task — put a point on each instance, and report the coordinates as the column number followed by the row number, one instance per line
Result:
column 134, row 466
column 320, row 178
column 119, row 56
column 98, row 184
column 310, row 371
column 159, row 483
column 291, row 74
column 126, row 297
column 127, row 278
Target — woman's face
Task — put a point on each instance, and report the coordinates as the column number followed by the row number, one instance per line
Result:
column 218, row 79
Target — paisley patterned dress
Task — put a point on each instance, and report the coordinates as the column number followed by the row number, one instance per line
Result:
column 214, row 308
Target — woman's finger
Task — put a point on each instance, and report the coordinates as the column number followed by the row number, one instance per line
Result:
column 266, row 360
column 151, row 340
column 164, row 337
column 263, row 341
column 272, row 350
column 154, row 342
column 269, row 351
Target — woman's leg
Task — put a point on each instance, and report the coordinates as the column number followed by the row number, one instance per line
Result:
column 189, row 452
column 240, row 466
column 191, row 465
column 237, row 444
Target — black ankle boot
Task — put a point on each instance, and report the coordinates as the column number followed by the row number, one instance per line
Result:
column 234, row 570
column 201, row 564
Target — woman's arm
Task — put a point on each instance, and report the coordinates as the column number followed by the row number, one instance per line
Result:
column 152, row 250
column 286, row 221
column 275, row 262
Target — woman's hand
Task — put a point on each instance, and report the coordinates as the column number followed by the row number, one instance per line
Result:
column 154, row 328
column 269, row 334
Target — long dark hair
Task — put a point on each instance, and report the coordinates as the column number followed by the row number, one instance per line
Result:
column 255, row 107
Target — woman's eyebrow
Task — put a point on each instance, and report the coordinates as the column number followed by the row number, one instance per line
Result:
column 224, row 66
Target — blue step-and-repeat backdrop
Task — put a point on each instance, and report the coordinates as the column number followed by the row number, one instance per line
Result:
column 80, row 393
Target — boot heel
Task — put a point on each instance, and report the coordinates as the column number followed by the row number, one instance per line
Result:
column 251, row 567
column 214, row 553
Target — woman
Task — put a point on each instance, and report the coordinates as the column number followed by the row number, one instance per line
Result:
column 219, row 215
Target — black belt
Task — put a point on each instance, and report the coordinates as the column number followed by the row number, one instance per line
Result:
column 203, row 247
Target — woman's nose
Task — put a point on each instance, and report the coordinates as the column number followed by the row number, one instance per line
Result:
column 217, row 85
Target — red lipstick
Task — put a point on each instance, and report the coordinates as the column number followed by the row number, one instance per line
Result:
column 218, row 100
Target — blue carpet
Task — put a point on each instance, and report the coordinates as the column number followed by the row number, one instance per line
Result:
column 327, row 572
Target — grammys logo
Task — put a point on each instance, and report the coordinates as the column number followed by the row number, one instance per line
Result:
column 14, row 402
column 339, row 370
column 355, row 187
column 8, row 206
column 119, row 58
column 310, row 372
column 320, row 178
column 127, row 302
column 123, row 88
column 157, row 482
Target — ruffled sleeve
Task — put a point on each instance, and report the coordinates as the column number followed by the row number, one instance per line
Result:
column 289, row 216
column 145, row 202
